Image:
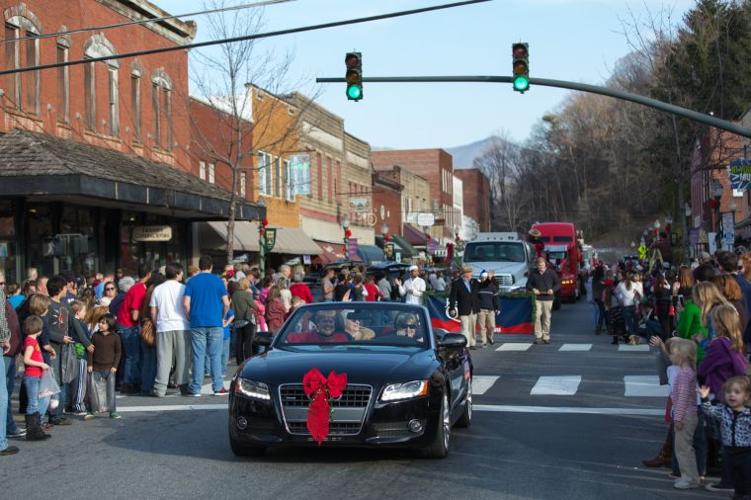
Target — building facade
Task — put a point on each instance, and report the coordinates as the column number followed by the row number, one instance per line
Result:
column 95, row 165
column 476, row 188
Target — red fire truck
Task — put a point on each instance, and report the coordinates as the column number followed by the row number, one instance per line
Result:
column 562, row 251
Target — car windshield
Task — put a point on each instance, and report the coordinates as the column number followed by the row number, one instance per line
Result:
column 349, row 323
column 494, row 251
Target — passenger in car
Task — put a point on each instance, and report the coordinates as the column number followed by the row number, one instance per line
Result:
column 407, row 325
column 354, row 326
column 326, row 326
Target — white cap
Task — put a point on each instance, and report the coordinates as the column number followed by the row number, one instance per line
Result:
column 413, row 268
column 484, row 274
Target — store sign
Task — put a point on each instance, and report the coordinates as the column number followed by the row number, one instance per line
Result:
column 152, row 233
column 740, row 174
column 269, row 239
column 425, row 219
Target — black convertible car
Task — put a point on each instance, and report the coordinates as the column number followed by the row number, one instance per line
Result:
column 406, row 384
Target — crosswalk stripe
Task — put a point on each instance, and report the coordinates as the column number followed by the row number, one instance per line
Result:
column 565, row 385
column 575, row 347
column 633, row 348
column 481, row 383
column 514, row 346
column 567, row 410
column 644, row 386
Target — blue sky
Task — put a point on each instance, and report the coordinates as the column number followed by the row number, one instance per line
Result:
column 569, row 40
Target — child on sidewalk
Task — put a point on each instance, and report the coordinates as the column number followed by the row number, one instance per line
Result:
column 685, row 417
column 35, row 367
column 82, row 337
column 735, row 426
column 103, row 364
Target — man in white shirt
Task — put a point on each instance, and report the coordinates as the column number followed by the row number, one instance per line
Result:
column 413, row 287
column 172, row 331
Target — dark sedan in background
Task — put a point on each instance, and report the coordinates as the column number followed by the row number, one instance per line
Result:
column 407, row 386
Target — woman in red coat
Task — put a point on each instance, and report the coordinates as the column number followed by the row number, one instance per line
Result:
column 301, row 289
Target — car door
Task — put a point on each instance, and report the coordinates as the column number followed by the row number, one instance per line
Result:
column 457, row 367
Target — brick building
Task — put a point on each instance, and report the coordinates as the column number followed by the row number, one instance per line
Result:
column 435, row 166
column 60, row 208
column 476, row 196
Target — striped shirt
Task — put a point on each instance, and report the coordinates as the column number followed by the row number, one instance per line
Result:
column 683, row 394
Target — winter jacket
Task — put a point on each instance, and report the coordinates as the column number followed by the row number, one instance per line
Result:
column 487, row 292
column 16, row 338
column 735, row 428
column 689, row 324
column 721, row 363
column 275, row 315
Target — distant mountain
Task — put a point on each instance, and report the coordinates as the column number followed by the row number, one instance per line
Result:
column 464, row 156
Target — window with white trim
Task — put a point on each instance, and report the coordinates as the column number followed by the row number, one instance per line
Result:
column 63, row 83
column 264, row 176
column 243, row 184
column 98, row 46
column 289, row 182
column 21, row 53
column 212, row 172
column 202, row 170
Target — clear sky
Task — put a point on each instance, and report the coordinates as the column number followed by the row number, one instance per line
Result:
column 576, row 40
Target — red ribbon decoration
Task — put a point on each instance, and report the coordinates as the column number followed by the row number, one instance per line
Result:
column 320, row 389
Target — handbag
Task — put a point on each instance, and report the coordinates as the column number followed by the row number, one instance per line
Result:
column 148, row 335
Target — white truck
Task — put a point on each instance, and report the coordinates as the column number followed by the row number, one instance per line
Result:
column 506, row 254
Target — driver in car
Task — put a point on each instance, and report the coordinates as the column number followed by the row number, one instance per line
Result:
column 407, row 326
column 325, row 332
column 354, row 326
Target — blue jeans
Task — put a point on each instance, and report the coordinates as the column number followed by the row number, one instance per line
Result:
column 148, row 368
column 207, row 341
column 225, row 354
column 10, row 383
column 131, row 342
column 4, row 407
column 629, row 317
column 35, row 404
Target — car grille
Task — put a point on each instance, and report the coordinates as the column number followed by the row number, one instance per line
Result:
column 348, row 415
column 504, row 280
column 352, row 397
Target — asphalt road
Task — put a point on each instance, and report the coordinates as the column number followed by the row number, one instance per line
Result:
column 583, row 441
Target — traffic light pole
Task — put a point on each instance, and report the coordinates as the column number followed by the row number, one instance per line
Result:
column 563, row 84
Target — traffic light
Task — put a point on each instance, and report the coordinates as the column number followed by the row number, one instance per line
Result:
column 353, row 60
column 520, row 56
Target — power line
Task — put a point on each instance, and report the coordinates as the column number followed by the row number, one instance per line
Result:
column 257, row 36
column 144, row 21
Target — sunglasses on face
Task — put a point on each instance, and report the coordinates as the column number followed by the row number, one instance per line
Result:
column 411, row 326
column 108, row 289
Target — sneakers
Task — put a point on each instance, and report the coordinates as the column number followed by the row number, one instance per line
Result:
column 115, row 415
column 10, row 450
column 18, row 434
column 60, row 421
column 546, row 341
column 193, row 394
column 89, row 416
column 221, row 392
column 719, row 487
column 685, row 484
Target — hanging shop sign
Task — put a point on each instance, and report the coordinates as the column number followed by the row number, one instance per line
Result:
column 148, row 234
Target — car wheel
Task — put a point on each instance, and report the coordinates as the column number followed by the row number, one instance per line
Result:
column 439, row 448
column 245, row 450
column 466, row 419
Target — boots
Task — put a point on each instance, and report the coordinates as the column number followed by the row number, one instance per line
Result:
column 34, row 430
column 665, row 456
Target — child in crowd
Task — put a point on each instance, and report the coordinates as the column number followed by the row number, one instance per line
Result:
column 35, row 367
column 82, row 336
column 685, row 417
column 103, row 362
column 734, row 419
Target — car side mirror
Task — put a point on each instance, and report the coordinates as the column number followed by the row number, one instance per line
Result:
column 263, row 339
column 452, row 341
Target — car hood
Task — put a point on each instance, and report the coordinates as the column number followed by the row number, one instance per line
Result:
column 362, row 365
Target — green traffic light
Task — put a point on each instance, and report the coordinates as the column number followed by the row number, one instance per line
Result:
column 521, row 83
column 354, row 92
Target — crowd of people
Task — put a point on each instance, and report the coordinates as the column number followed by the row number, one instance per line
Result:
column 698, row 317
column 83, row 339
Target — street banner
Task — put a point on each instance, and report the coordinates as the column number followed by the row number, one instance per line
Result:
column 740, row 174
column 728, row 231
column 269, row 239
column 353, row 247
column 515, row 316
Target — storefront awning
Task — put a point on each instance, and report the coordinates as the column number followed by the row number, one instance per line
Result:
column 289, row 241
column 408, row 251
column 414, row 235
column 50, row 168
column 332, row 252
column 370, row 254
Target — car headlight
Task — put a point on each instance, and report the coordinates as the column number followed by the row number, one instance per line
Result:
column 253, row 389
column 407, row 390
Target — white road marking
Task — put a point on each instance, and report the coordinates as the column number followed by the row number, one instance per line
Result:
column 514, row 346
column 633, row 348
column 568, row 410
column 564, row 385
column 160, row 408
column 645, row 386
column 575, row 347
column 481, row 383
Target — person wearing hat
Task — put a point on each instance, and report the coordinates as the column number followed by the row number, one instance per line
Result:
column 463, row 300
column 413, row 287
column 544, row 283
column 354, row 326
column 535, row 238
column 490, row 305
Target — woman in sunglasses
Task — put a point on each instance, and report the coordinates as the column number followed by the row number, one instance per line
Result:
column 110, row 292
column 407, row 325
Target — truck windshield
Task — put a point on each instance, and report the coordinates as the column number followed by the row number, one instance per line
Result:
column 494, row 251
